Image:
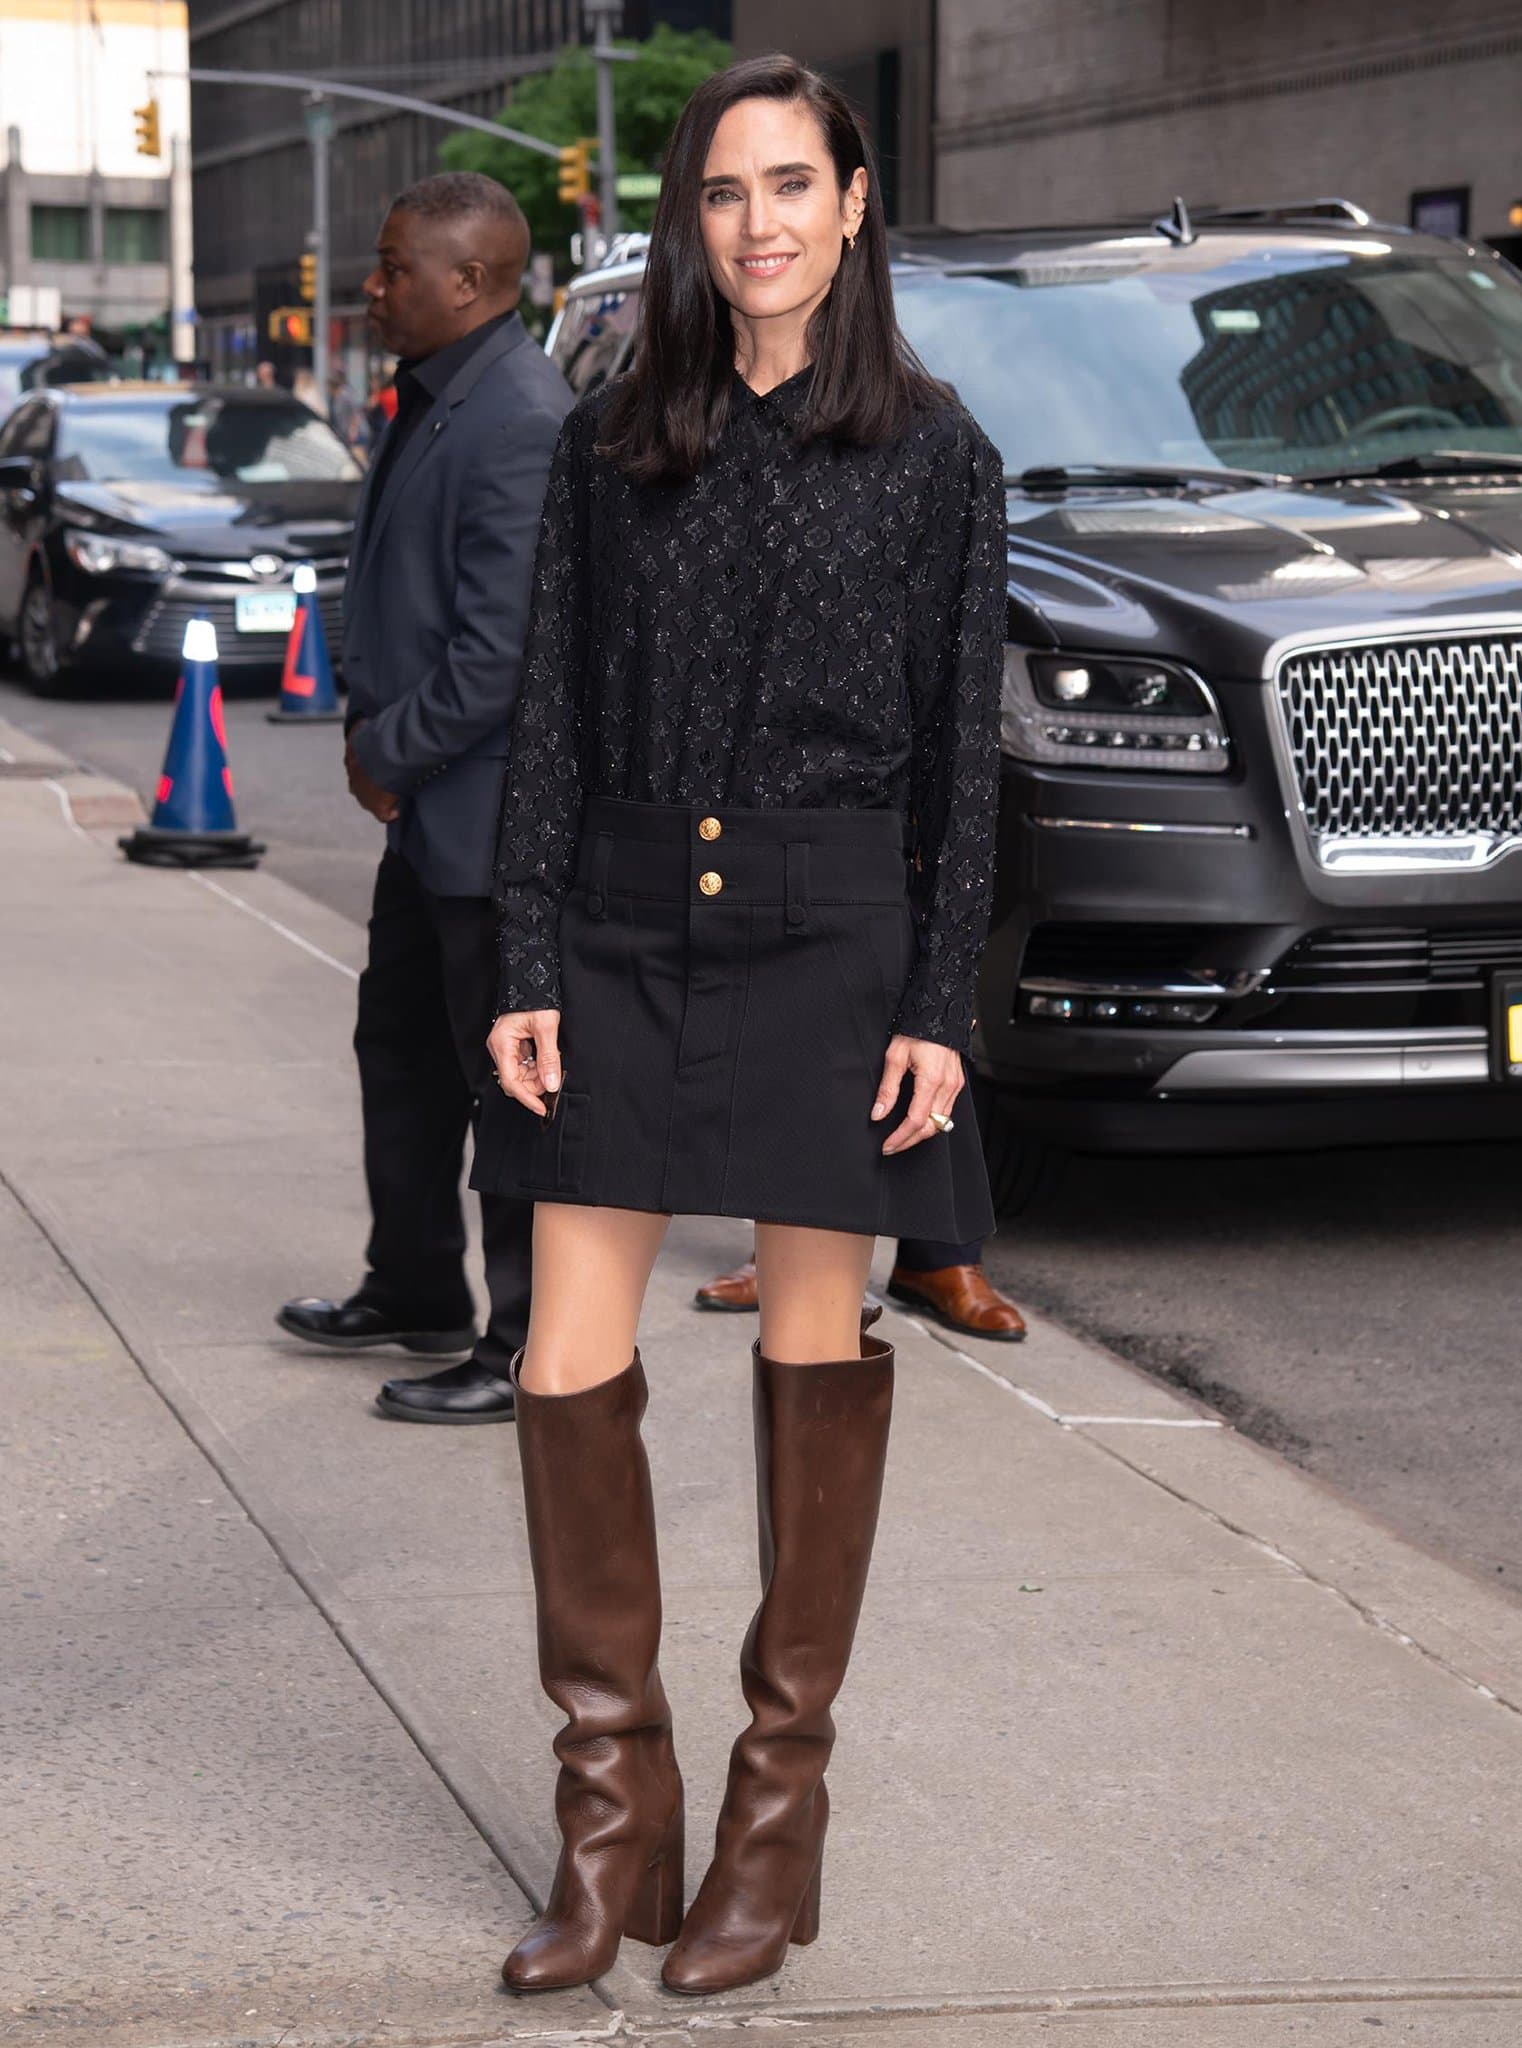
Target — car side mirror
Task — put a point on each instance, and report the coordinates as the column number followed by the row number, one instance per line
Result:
column 18, row 473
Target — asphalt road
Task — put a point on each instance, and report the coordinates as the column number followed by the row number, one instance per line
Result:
column 1359, row 1311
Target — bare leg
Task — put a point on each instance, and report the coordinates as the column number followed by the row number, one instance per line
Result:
column 591, row 1269
column 811, row 1285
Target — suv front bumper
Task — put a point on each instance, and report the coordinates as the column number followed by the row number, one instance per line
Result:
column 1155, row 897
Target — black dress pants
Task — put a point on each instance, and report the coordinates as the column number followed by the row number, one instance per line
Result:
column 927, row 1255
column 427, row 998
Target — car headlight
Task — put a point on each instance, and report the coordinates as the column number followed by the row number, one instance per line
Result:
column 1109, row 711
column 99, row 553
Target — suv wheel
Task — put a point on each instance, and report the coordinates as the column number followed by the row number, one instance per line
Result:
column 37, row 637
column 1023, row 1172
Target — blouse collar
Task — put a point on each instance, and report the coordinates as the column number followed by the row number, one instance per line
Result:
column 789, row 397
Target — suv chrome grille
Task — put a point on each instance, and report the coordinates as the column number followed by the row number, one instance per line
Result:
column 1408, row 752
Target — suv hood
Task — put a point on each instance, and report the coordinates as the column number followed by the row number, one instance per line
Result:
column 213, row 517
column 1217, row 576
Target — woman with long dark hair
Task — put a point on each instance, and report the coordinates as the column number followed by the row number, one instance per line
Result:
column 744, row 878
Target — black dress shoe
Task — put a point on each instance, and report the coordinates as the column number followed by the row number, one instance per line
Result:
column 358, row 1325
column 460, row 1393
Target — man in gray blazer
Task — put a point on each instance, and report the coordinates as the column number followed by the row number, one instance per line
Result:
column 435, row 614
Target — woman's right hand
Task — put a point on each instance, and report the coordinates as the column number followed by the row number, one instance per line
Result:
column 525, row 1050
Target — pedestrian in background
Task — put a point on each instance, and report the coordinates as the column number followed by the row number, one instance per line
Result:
column 435, row 611
column 264, row 376
column 747, row 853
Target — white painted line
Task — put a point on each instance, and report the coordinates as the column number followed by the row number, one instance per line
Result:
column 1150, row 1421
column 1045, row 1407
column 274, row 924
column 965, row 1358
column 68, row 810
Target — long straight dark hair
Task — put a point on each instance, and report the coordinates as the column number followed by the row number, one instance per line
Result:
column 665, row 415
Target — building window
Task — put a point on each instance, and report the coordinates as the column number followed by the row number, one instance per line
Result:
column 61, row 234
column 1443, row 212
column 134, row 234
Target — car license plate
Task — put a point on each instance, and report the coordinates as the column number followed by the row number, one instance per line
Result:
column 265, row 611
column 1506, row 1027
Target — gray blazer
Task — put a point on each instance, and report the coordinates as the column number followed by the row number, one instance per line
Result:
column 436, row 605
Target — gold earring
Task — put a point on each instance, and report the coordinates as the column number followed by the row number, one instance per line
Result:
column 850, row 238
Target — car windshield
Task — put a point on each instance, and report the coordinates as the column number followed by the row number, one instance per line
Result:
column 164, row 440
column 1229, row 353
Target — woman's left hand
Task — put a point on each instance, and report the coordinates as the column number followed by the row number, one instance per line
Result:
column 938, row 1081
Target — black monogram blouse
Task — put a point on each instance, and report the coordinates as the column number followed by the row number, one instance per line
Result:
column 814, row 626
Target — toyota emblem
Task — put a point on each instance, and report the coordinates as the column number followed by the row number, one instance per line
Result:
column 266, row 565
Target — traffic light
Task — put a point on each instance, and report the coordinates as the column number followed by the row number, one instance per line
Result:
column 147, row 119
column 575, row 172
column 291, row 324
column 309, row 275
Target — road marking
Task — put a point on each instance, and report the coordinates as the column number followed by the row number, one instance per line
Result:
column 64, row 805
column 1035, row 1401
column 1151, row 1421
column 274, row 924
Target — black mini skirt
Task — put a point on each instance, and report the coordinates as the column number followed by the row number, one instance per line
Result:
column 729, row 980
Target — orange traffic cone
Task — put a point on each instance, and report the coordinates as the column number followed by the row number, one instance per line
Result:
column 308, row 695
column 194, row 824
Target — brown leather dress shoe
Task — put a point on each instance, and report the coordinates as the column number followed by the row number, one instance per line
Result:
column 733, row 1292
column 961, row 1297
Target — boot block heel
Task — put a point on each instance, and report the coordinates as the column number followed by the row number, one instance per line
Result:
column 655, row 1917
column 806, row 1926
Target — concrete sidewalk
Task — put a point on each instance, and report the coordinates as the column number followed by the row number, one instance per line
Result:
column 1150, row 1741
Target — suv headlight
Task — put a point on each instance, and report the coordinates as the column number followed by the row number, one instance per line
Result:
column 1110, row 711
column 99, row 553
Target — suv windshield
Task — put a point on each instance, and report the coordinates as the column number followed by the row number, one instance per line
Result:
column 1229, row 353
column 163, row 440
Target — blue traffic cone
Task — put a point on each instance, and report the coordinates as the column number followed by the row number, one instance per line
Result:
column 194, row 824
column 307, row 692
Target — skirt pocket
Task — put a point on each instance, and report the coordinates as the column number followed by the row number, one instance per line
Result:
column 556, row 1158
column 858, row 943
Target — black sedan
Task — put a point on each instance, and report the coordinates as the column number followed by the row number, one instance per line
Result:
column 128, row 509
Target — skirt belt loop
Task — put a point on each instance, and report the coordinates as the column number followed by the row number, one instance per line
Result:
column 597, row 880
column 797, row 871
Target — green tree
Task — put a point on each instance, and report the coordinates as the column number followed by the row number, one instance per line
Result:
column 561, row 105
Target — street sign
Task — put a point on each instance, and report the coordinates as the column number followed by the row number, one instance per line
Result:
column 639, row 184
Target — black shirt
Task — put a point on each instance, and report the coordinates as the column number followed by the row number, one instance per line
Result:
column 419, row 381
column 798, row 626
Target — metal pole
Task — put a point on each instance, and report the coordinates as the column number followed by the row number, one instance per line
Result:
column 605, row 16
column 182, row 304
column 319, row 117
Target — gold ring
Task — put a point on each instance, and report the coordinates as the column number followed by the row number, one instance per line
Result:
column 942, row 1123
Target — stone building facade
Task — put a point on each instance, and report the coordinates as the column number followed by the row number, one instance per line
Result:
column 1077, row 110
column 83, row 216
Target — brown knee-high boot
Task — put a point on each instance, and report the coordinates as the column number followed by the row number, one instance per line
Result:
column 821, row 1444
column 591, row 1533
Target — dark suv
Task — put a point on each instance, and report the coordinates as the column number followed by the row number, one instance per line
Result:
column 1260, row 841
